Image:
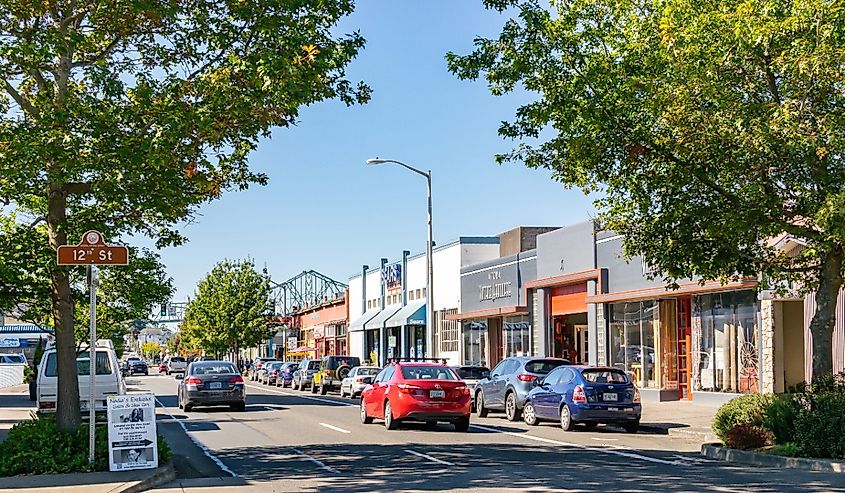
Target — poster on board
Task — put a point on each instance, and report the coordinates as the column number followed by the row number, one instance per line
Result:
column 132, row 432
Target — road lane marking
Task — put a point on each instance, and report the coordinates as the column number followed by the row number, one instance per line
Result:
column 605, row 439
column 335, row 428
column 614, row 451
column 425, row 456
column 338, row 403
column 693, row 459
column 315, row 461
column 202, row 447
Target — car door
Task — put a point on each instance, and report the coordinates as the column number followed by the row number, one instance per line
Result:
column 543, row 397
column 376, row 397
column 487, row 385
column 500, row 383
column 563, row 389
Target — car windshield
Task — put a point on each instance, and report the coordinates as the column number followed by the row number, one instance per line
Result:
column 177, row 359
column 12, row 358
column 428, row 372
column 542, row 366
column 605, row 376
column 275, row 366
column 213, row 369
column 472, row 372
column 313, row 365
column 368, row 371
column 83, row 366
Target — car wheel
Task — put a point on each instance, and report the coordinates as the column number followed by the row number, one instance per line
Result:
column 389, row 422
column 632, row 426
column 187, row 407
column 462, row 425
column 323, row 389
column 313, row 388
column 566, row 422
column 365, row 419
column 528, row 414
column 480, row 410
column 511, row 410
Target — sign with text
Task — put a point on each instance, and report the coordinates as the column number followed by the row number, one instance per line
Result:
column 132, row 432
column 392, row 275
column 92, row 250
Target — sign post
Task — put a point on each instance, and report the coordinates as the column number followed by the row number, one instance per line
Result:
column 92, row 250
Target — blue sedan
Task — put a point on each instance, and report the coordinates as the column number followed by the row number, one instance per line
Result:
column 584, row 394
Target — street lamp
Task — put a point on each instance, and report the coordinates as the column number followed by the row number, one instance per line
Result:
column 429, row 283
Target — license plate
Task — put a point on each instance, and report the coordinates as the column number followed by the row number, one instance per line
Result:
column 613, row 397
column 437, row 394
column 83, row 405
column 215, row 385
column 613, row 409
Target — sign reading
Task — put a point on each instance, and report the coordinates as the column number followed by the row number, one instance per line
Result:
column 494, row 290
column 132, row 432
column 392, row 275
column 92, row 250
column 10, row 342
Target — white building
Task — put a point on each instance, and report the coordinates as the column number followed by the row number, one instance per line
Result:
column 158, row 335
column 387, row 304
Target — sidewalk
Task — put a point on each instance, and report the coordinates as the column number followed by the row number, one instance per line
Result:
column 15, row 406
column 679, row 418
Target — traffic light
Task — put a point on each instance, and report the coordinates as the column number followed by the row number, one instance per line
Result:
column 164, row 309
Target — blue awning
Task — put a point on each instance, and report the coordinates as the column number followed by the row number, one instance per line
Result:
column 359, row 322
column 378, row 321
column 411, row 314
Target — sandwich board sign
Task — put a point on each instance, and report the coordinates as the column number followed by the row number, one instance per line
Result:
column 132, row 432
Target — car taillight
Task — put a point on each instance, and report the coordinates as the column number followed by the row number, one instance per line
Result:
column 46, row 405
column 407, row 389
column 463, row 390
column 237, row 379
column 360, row 379
column 578, row 394
column 193, row 380
column 524, row 377
column 275, row 372
column 636, row 395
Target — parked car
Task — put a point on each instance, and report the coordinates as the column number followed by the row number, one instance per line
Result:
column 176, row 364
column 332, row 370
column 261, row 373
column 211, row 383
column 471, row 375
column 509, row 384
column 285, row 377
column 256, row 366
column 271, row 372
column 303, row 376
column 107, row 379
column 357, row 380
column 135, row 365
column 162, row 367
column 417, row 391
column 12, row 359
column 583, row 394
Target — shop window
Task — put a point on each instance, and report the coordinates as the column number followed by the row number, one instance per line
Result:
column 475, row 343
column 449, row 330
column 632, row 332
column 411, row 295
column 517, row 335
column 725, row 342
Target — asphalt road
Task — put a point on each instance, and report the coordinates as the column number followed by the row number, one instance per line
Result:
column 292, row 441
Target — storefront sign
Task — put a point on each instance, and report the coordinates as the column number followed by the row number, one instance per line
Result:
column 132, row 432
column 391, row 275
column 293, row 342
column 8, row 342
column 497, row 289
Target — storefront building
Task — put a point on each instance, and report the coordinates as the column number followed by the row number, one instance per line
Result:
column 317, row 330
column 389, row 317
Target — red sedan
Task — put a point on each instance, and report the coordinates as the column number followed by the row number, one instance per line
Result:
column 416, row 391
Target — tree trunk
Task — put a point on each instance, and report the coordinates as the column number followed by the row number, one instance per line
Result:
column 825, row 317
column 67, row 400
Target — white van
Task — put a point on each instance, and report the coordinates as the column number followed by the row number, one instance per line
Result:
column 108, row 380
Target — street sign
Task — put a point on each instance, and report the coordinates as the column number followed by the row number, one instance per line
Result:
column 132, row 432
column 92, row 250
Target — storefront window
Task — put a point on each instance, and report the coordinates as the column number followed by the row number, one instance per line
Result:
column 632, row 327
column 517, row 334
column 475, row 343
column 728, row 341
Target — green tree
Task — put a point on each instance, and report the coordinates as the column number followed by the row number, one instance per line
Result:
column 125, row 117
column 708, row 128
column 230, row 310
column 150, row 349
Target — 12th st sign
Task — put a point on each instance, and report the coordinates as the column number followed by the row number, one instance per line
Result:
column 92, row 250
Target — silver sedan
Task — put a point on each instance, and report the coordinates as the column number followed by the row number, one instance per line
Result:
column 358, row 378
column 211, row 383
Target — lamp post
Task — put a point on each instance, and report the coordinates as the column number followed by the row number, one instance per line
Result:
column 429, row 283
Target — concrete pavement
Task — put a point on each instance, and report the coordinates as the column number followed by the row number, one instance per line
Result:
column 15, row 407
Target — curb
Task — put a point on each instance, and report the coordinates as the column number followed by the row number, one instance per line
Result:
column 714, row 451
column 677, row 432
column 161, row 475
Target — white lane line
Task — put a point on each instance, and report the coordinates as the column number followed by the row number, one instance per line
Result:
column 338, row 403
column 315, row 461
column 602, row 439
column 432, row 459
column 614, row 451
column 335, row 428
column 694, row 459
column 202, row 447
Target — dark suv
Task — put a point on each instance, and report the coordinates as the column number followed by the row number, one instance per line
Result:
column 303, row 375
column 507, row 386
column 332, row 371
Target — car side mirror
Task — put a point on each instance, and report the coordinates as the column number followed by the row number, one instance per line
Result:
column 368, row 380
column 537, row 382
column 179, row 376
column 485, row 374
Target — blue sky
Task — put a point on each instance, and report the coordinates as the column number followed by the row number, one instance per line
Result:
column 324, row 209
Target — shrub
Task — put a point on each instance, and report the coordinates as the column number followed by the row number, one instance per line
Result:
column 789, row 449
column 820, row 425
column 779, row 418
column 747, row 437
column 39, row 446
column 749, row 409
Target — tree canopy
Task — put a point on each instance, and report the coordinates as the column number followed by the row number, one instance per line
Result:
column 710, row 128
column 126, row 116
column 230, row 309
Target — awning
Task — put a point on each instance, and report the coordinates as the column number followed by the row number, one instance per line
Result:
column 378, row 321
column 358, row 324
column 411, row 314
column 302, row 349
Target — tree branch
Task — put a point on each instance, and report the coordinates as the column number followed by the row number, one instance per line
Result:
column 78, row 188
column 21, row 100
column 770, row 76
column 99, row 56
